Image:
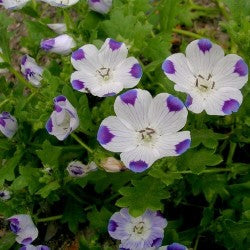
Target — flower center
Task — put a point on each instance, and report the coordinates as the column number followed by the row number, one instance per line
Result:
column 104, row 73
column 65, row 124
column 147, row 134
column 204, row 84
column 139, row 228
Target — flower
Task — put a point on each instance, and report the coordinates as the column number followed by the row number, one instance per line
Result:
column 78, row 169
column 137, row 233
column 13, row 4
column 59, row 28
column 61, row 44
column 31, row 71
column 211, row 80
column 2, row 70
column 8, row 124
column 104, row 72
column 31, row 247
column 4, row 195
column 63, row 120
column 112, row 165
column 173, row 246
column 61, row 3
column 23, row 226
column 101, row 6
column 145, row 129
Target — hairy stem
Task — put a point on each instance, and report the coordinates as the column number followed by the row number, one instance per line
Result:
column 187, row 33
column 52, row 218
column 82, row 143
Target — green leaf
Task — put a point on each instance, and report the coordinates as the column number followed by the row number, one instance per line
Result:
column 144, row 194
column 7, row 241
column 46, row 190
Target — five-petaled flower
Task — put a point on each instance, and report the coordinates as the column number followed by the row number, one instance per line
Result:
column 78, row 169
column 63, row 120
column 101, row 6
column 173, row 246
column 13, row 4
column 31, row 71
column 23, row 226
column 104, row 72
column 8, row 124
column 145, row 129
column 142, row 232
column 211, row 80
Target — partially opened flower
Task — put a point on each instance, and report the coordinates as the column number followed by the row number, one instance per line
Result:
column 141, row 232
column 104, row 72
column 59, row 28
column 145, row 129
column 78, row 169
column 4, row 195
column 8, row 124
column 101, row 6
column 62, row 44
column 61, row 3
column 31, row 247
column 211, row 80
column 63, row 120
column 23, row 226
column 2, row 70
column 31, row 71
column 173, row 246
column 13, row 4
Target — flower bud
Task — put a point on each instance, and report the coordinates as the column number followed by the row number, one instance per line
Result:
column 78, row 169
column 13, row 4
column 8, row 124
column 59, row 28
column 112, row 165
column 101, row 6
column 4, row 195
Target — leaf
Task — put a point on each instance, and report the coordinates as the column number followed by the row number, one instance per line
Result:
column 144, row 194
column 46, row 190
column 7, row 241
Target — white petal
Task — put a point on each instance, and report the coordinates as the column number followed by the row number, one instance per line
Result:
column 63, row 44
column 230, row 71
column 59, row 28
column 107, row 89
column 102, row 6
column 13, row 4
column 195, row 102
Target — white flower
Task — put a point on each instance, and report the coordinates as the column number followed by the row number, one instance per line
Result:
column 63, row 120
column 104, row 72
column 2, row 70
column 101, row 6
column 4, row 195
column 62, row 44
column 59, row 28
column 8, row 124
column 78, row 169
column 61, row 3
column 145, row 129
column 31, row 71
column 211, row 80
column 13, row 4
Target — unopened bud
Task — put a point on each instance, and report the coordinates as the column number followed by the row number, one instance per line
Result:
column 112, row 165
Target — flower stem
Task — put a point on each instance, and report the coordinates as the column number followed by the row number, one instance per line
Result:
column 52, row 218
column 82, row 143
column 187, row 33
column 206, row 171
column 231, row 152
column 3, row 102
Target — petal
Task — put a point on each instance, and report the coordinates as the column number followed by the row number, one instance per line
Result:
column 107, row 89
column 195, row 102
column 129, row 72
column 132, row 106
column 27, row 235
column 167, row 114
column 115, row 136
column 202, row 55
column 224, row 101
column 230, row 71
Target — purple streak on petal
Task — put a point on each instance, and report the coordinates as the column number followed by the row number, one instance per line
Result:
column 204, row 45
column 138, row 166
column 49, row 125
column 136, row 70
column 47, row 44
column 2, row 122
column 189, row 101
column 57, row 108
column 156, row 242
column 76, row 170
column 114, row 45
column 176, row 246
column 104, row 135
column 77, row 84
column 129, row 97
column 230, row 106
column 168, row 67
column 95, row 1
column 78, row 55
column 27, row 241
column 109, row 94
column 60, row 98
column 42, row 247
column 174, row 103
column 159, row 214
column 24, row 59
column 112, row 226
column 241, row 68
column 182, row 146
column 14, row 225
column 28, row 73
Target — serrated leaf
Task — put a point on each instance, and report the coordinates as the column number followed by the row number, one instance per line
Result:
column 46, row 190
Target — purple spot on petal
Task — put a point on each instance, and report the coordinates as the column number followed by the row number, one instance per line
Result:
column 2, row 122
column 14, row 225
column 138, row 166
column 24, row 59
column 48, row 44
column 49, row 125
column 95, row 1
column 156, row 242
column 129, row 97
column 136, row 71
column 78, row 55
column 189, row 101
column 28, row 73
column 176, row 246
column 204, row 45
column 168, row 67
column 112, row 226
column 76, row 170
column 104, row 136
column 60, row 98
column 174, row 103
column 27, row 241
column 109, row 94
column 230, row 106
column 77, row 84
column 42, row 247
column 114, row 45
column 159, row 214
column 57, row 108
column 241, row 68
column 182, row 146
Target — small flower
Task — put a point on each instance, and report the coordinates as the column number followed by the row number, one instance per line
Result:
column 31, row 71
column 8, row 124
column 4, row 195
column 31, row 247
column 112, row 165
column 145, row 129
column 137, row 233
column 2, row 70
column 211, row 80
column 61, row 3
column 59, row 28
column 23, row 226
column 13, row 4
column 104, row 72
column 63, row 120
column 101, row 6
column 173, row 246
column 78, row 169
column 62, row 44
